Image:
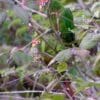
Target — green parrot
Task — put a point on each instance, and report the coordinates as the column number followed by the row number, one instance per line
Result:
column 53, row 11
column 61, row 21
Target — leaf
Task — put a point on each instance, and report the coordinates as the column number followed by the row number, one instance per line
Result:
column 11, row 13
column 95, row 9
column 73, row 71
column 22, row 30
column 83, row 85
column 16, row 22
column 48, row 96
column 80, row 35
column 96, row 66
column 3, row 17
column 82, row 53
column 59, row 47
column 96, row 84
column 3, row 61
column 43, row 46
column 62, row 67
column 90, row 41
column 21, row 72
column 21, row 58
column 32, row 4
column 62, row 56
column 21, row 13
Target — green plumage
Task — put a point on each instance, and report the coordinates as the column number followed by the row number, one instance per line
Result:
column 61, row 20
column 53, row 13
column 66, row 25
column 66, row 20
column 55, row 6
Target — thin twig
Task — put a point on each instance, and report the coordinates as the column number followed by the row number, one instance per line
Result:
column 31, row 10
column 66, row 92
column 52, row 84
column 41, row 35
column 82, row 4
column 32, row 91
column 26, row 78
column 9, row 97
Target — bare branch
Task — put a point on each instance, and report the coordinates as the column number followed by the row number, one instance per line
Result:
column 31, row 10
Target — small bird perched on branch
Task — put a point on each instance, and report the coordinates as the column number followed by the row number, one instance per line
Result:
column 54, row 10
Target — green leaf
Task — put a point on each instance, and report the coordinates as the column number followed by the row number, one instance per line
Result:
column 3, row 17
column 96, row 84
column 82, row 85
column 22, row 58
column 62, row 67
column 21, row 72
column 21, row 31
column 96, row 66
column 48, row 96
column 16, row 22
column 90, row 41
column 62, row 56
column 3, row 61
column 43, row 45
column 21, row 13
column 73, row 71
column 95, row 9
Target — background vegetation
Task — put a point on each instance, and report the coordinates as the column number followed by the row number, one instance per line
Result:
column 50, row 53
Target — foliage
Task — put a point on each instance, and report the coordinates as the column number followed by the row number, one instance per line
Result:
column 50, row 53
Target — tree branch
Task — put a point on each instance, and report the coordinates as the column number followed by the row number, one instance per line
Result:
column 31, row 10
